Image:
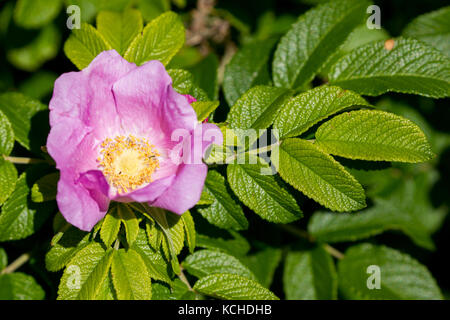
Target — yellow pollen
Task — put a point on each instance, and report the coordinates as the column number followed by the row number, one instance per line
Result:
column 128, row 162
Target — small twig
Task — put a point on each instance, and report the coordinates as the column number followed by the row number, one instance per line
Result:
column 22, row 160
column 263, row 149
column 183, row 278
column 333, row 251
column 305, row 235
column 16, row 264
column 297, row 232
column 116, row 244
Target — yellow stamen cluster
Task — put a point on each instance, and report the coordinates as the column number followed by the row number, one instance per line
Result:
column 128, row 162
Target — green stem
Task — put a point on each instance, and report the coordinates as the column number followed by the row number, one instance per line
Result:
column 183, row 278
column 116, row 244
column 305, row 235
column 16, row 264
column 23, row 160
column 263, row 149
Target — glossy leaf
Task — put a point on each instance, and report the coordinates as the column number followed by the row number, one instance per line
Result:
column 20, row 286
column 120, row 29
column 305, row 110
column 409, row 67
column 8, row 178
column 313, row 39
column 20, row 218
column 310, row 275
column 45, row 188
column 85, row 274
column 20, row 111
column 374, row 135
column 206, row 262
column 160, row 40
column 232, row 287
column 247, row 68
column 318, row 175
column 225, row 212
column 401, row 277
column 262, row 193
column 84, row 45
column 130, row 277
column 432, row 28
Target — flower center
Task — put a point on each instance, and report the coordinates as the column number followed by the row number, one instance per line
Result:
column 128, row 162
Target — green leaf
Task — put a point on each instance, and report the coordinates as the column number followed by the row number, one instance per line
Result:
column 3, row 259
column 360, row 36
column 154, row 233
column 120, row 29
column 178, row 290
column 374, row 135
column 45, row 188
column 8, row 178
column 204, row 108
column 225, row 212
column 263, row 264
column 189, row 229
column 152, row 9
column 39, row 85
column 310, row 275
column 110, row 227
column 106, row 291
column 6, row 135
column 173, row 228
column 257, row 108
column 313, row 39
column 20, row 286
column 69, row 243
column 318, row 175
column 20, row 110
column 432, row 28
column 409, row 67
column 183, row 82
column 33, row 14
column 130, row 222
column 20, row 218
column 84, row 276
column 157, row 267
column 232, row 287
column 247, row 68
column 404, row 209
column 205, row 198
column 262, row 193
column 160, row 40
column 437, row 140
column 130, row 277
column 84, row 45
column 237, row 245
column 402, row 277
column 205, row 75
column 44, row 47
column 305, row 110
column 206, row 262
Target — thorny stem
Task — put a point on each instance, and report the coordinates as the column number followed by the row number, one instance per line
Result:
column 16, row 264
column 305, row 235
column 23, row 160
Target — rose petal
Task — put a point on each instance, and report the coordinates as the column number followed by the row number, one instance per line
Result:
column 185, row 190
column 76, row 204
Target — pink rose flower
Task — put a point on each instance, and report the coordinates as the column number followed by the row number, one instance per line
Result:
column 121, row 132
